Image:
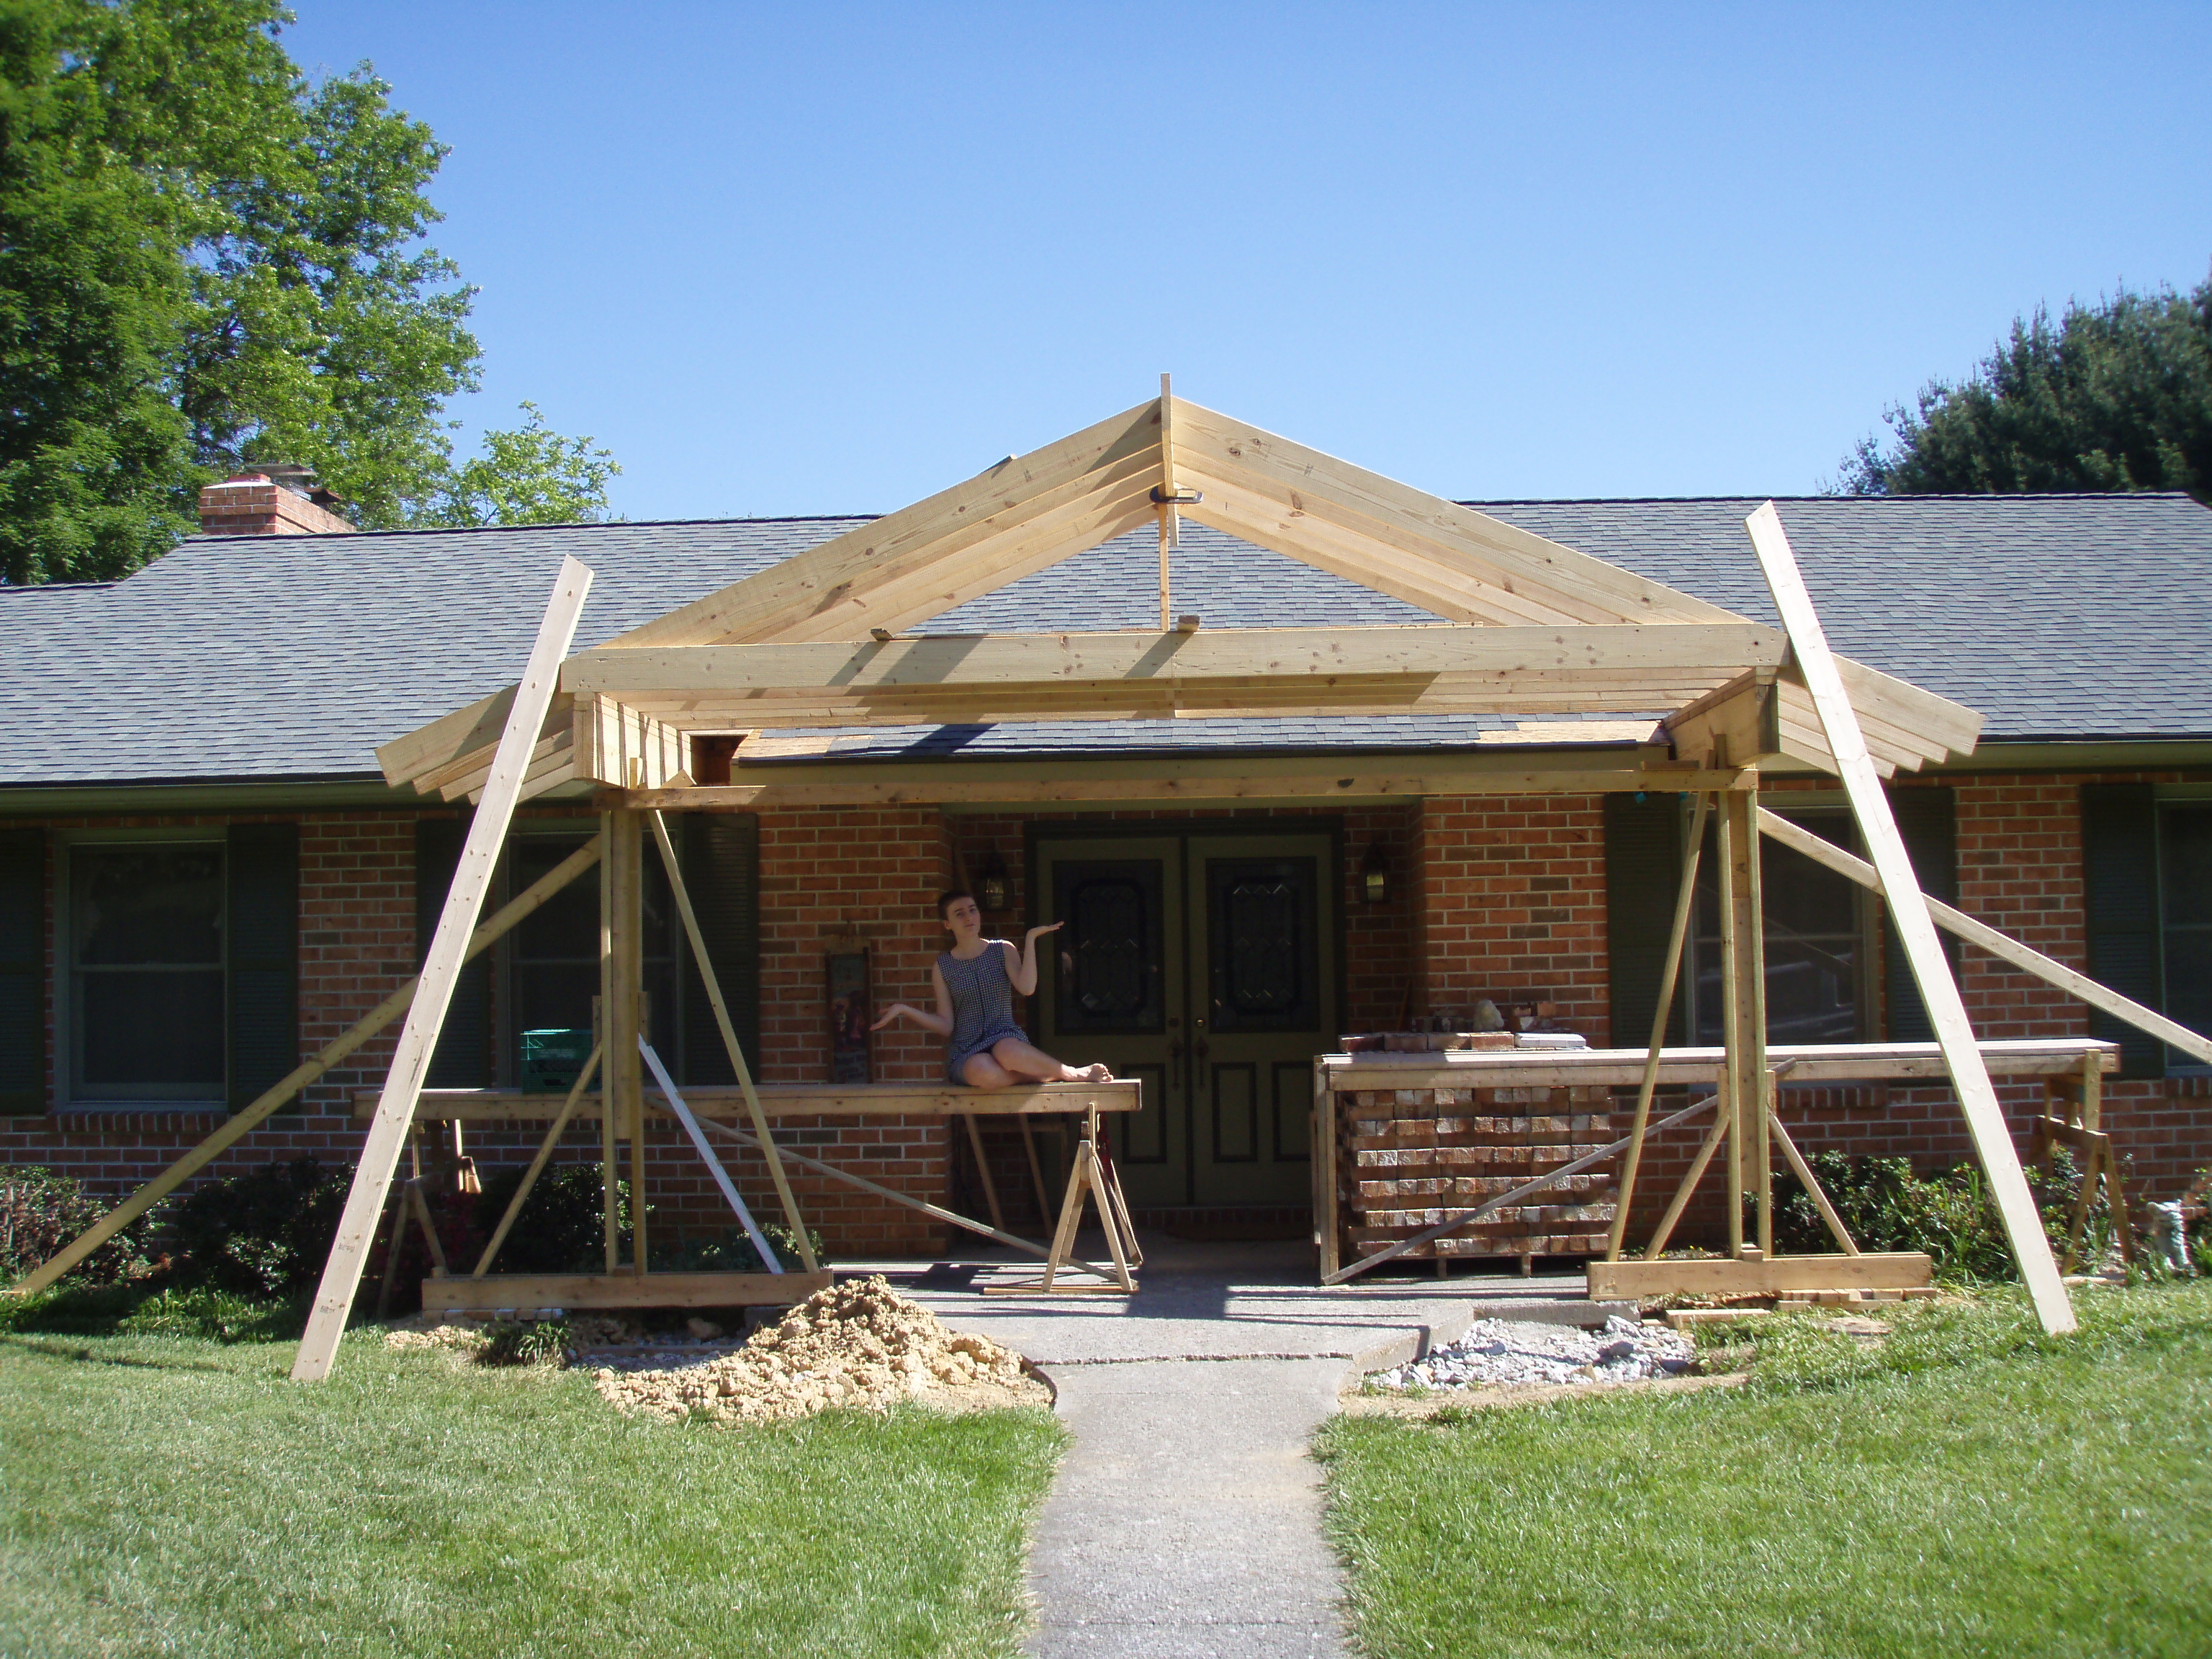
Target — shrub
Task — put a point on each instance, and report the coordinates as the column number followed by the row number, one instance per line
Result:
column 265, row 1233
column 1948, row 1215
column 41, row 1212
column 560, row 1229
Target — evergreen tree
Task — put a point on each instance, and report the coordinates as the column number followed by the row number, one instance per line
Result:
column 2114, row 397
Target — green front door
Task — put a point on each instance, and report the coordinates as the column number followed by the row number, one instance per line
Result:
column 1205, row 966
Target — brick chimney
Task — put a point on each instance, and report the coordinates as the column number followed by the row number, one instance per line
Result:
column 254, row 504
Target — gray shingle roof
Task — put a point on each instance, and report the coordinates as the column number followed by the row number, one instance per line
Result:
column 264, row 657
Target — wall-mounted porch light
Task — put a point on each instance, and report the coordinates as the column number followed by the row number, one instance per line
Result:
column 1374, row 875
column 992, row 890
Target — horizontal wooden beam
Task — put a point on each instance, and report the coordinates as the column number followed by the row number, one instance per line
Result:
column 1210, row 787
column 1776, row 1275
column 542, row 1292
column 788, row 1100
column 999, row 660
column 1623, row 1068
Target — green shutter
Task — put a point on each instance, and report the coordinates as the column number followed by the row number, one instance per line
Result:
column 1642, row 873
column 463, row 1060
column 721, row 852
column 2119, row 881
column 262, row 990
column 23, row 977
column 1927, row 819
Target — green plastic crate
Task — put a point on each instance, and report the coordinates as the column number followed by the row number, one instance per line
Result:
column 552, row 1060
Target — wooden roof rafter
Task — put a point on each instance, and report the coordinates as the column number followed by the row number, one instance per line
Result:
column 1535, row 627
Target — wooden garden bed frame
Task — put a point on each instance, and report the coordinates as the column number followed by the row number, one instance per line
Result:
column 816, row 641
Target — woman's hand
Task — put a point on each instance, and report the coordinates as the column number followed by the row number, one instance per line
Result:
column 1049, row 928
column 890, row 1014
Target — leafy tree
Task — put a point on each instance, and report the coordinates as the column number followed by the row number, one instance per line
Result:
column 529, row 476
column 2116, row 398
column 207, row 261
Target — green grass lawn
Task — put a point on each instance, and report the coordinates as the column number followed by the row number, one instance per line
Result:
column 165, row 1494
column 1972, row 1487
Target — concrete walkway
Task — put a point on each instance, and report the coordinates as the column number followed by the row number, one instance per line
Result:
column 1186, row 1519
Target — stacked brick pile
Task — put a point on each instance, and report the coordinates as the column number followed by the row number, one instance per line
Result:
column 1408, row 1157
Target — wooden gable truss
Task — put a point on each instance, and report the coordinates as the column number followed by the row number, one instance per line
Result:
column 1532, row 627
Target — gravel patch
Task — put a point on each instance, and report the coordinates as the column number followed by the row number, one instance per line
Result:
column 1516, row 1353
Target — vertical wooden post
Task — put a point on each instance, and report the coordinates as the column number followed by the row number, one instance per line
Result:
column 1916, row 926
column 1167, row 504
column 441, row 969
column 609, row 1129
column 1743, row 1002
column 625, row 972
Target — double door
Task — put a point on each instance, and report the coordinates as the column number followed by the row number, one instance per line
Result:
column 1206, row 966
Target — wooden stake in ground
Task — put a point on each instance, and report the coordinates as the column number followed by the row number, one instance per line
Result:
column 1916, row 928
column 426, row 1015
column 250, row 1117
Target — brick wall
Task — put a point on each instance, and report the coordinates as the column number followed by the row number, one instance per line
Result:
column 1500, row 897
column 1512, row 904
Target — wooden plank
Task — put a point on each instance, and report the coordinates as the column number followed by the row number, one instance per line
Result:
column 1406, row 567
column 1916, row 928
column 849, row 567
column 1198, row 783
column 1813, row 1189
column 1826, row 1062
column 936, row 1213
column 441, row 968
column 712, row 981
column 1774, row 1276
column 258, row 1111
column 568, row 1292
column 1167, row 656
column 791, row 1100
column 1117, row 501
column 1743, row 1012
column 537, row 1163
column 451, row 739
column 1691, row 1177
column 2001, row 945
column 1529, row 562
column 1678, row 935
column 623, row 1011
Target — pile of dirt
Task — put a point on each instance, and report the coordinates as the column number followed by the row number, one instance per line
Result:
column 858, row 1344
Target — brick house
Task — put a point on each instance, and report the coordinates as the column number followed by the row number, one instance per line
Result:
column 204, row 875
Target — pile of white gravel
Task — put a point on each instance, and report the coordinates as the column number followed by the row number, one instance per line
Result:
column 1510, row 1352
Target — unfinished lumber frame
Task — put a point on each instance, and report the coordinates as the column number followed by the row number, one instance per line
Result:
column 426, row 1014
column 1916, row 928
column 256, row 1112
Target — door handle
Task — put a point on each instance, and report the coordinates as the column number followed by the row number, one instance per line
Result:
column 1175, row 1052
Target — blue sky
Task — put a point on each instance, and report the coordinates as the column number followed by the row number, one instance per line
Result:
column 830, row 258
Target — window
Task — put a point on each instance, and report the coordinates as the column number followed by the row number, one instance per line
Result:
column 1819, row 936
column 552, row 958
column 145, row 943
column 2186, row 917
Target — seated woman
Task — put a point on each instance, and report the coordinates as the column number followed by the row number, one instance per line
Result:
column 975, row 982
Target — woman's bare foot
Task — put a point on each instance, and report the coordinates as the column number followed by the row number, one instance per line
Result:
column 1097, row 1074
